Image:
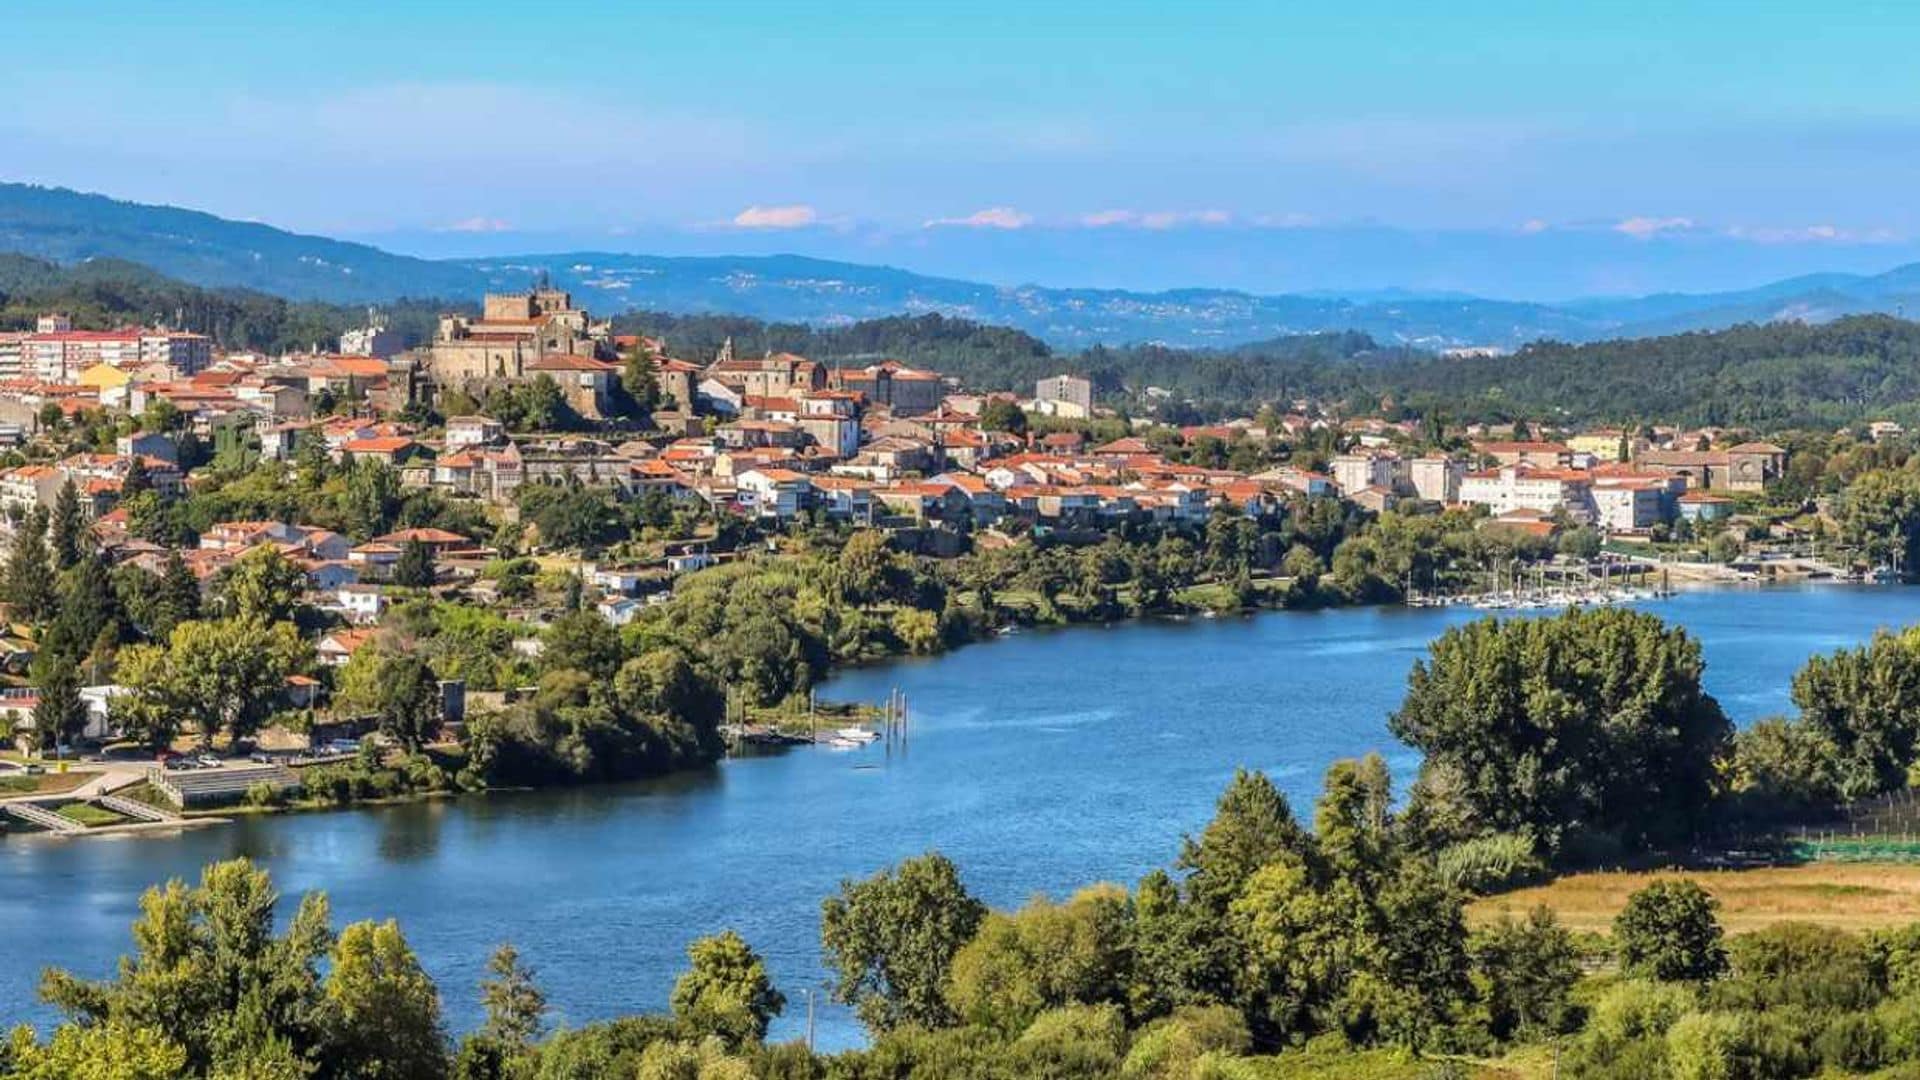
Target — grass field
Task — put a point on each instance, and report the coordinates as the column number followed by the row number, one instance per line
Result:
column 50, row 783
column 89, row 815
column 1851, row 895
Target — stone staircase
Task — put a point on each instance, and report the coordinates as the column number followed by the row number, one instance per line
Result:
column 41, row 816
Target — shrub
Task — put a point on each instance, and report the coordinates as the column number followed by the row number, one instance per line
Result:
column 1668, row 931
column 1852, row 1042
column 1171, row 1049
column 1491, row 863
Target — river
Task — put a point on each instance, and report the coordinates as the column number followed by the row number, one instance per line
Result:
column 1038, row 762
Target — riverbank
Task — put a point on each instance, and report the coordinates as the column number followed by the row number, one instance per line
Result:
column 1038, row 761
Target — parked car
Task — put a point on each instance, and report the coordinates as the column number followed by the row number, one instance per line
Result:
column 209, row 761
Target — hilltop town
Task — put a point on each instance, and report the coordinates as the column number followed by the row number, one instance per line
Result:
column 529, row 466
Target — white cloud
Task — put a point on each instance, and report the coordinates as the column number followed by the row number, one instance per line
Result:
column 1642, row 228
column 993, row 217
column 795, row 216
column 477, row 225
column 1532, row 226
column 1153, row 219
column 1812, row 234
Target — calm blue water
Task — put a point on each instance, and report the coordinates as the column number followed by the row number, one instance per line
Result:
column 1039, row 762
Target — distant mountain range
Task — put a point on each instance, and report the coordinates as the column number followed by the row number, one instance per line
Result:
column 70, row 227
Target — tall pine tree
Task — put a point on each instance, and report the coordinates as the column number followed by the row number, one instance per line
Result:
column 68, row 533
column 179, row 599
column 59, row 714
column 29, row 577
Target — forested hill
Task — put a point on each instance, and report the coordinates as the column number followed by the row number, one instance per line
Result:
column 999, row 358
column 1770, row 376
column 69, row 227
column 1761, row 376
column 107, row 293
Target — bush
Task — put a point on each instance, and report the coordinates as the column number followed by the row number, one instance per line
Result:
column 1491, row 863
column 1853, row 1042
column 1668, row 931
column 1171, row 1049
column 261, row 793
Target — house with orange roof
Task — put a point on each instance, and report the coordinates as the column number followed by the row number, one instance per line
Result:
column 391, row 450
column 772, row 492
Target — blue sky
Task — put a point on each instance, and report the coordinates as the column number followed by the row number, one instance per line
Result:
column 1525, row 149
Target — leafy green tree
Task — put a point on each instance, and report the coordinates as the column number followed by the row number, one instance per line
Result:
column 398, row 688
column 1880, row 515
column 642, row 382
column 210, row 975
column 999, row 414
column 370, row 501
column 1866, row 703
column 382, row 1009
column 1252, row 826
column 263, row 585
column 726, row 993
column 1669, row 931
column 137, row 481
column 891, row 940
column 1524, row 972
column 1045, row 956
column 113, row 1050
column 582, row 641
column 1591, row 720
column 224, row 675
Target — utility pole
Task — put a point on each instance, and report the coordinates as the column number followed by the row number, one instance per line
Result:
column 809, row 993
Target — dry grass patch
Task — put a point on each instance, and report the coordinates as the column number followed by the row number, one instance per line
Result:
column 1851, row 896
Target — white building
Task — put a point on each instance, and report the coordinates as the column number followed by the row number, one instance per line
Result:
column 1436, row 478
column 1357, row 472
column 1521, row 487
column 1067, row 396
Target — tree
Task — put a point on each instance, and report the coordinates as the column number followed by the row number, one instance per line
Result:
column 891, row 940
column 224, row 675
column 137, row 481
column 398, row 687
column 178, row 600
column 414, row 568
column 1880, row 515
column 211, row 976
column 262, row 585
column 371, row 499
column 1043, row 957
column 1668, row 931
column 29, row 577
column 114, row 1050
column 1523, row 974
column 1590, row 721
column 67, row 530
column 59, row 713
column 1866, row 703
column 516, row 1009
column 383, row 1011
column 726, row 993
column 642, row 382
column 1252, row 826
column 582, row 641
column 999, row 414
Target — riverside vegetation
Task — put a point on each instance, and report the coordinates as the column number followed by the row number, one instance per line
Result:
column 1267, row 949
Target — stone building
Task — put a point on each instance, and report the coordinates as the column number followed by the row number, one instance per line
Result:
column 513, row 332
